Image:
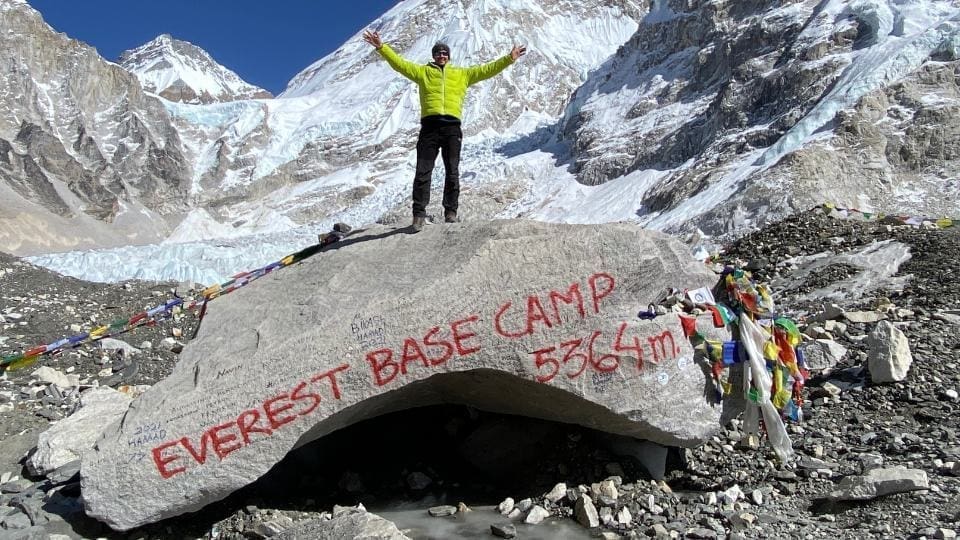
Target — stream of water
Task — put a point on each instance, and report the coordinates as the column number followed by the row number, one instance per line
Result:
column 417, row 523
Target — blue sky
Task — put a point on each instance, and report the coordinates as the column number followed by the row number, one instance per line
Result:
column 266, row 43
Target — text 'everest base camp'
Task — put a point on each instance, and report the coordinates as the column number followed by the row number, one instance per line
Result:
column 472, row 314
column 686, row 269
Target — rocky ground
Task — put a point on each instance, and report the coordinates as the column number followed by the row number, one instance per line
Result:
column 722, row 489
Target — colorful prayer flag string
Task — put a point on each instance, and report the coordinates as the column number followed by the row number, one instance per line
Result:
column 850, row 213
column 166, row 310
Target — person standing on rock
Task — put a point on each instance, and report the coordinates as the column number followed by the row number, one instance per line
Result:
column 442, row 89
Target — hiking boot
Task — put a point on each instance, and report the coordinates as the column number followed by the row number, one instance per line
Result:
column 418, row 223
column 450, row 216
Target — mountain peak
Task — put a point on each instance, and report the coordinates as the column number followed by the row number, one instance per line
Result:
column 180, row 71
column 163, row 40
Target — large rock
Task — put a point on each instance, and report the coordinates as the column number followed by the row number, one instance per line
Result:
column 512, row 317
column 348, row 523
column 889, row 354
column 67, row 439
column 586, row 513
column 822, row 354
column 49, row 375
column 879, row 482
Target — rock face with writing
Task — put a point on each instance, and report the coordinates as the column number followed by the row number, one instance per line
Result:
column 513, row 317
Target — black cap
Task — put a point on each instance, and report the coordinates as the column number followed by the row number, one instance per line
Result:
column 440, row 46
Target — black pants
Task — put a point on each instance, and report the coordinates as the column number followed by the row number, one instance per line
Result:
column 445, row 139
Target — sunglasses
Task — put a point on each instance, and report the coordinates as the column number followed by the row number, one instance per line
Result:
column 442, row 53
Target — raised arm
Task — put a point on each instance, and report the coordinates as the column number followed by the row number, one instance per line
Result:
column 485, row 71
column 408, row 69
column 373, row 38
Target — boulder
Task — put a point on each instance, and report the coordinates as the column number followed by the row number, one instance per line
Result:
column 442, row 511
column 821, row 354
column 536, row 515
column 889, row 354
column 879, row 482
column 866, row 317
column 355, row 523
column 950, row 316
column 830, row 312
column 558, row 492
column 111, row 344
column 586, row 513
column 67, row 439
column 49, row 375
column 512, row 317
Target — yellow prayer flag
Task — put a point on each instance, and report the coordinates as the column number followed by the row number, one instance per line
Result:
column 22, row 363
column 780, row 399
column 98, row 331
column 771, row 351
column 210, row 290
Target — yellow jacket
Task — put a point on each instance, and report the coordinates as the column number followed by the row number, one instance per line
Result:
column 442, row 90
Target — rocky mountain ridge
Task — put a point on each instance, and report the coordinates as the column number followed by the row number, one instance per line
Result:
column 728, row 93
column 86, row 157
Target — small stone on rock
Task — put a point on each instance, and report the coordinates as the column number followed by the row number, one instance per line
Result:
column 536, row 515
column 442, row 511
column 586, row 513
column 558, row 492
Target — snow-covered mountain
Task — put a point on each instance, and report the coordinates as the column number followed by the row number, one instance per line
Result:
column 336, row 145
column 675, row 114
column 724, row 114
column 180, row 71
column 87, row 158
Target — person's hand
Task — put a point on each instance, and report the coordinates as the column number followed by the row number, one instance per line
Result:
column 518, row 51
column 372, row 38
